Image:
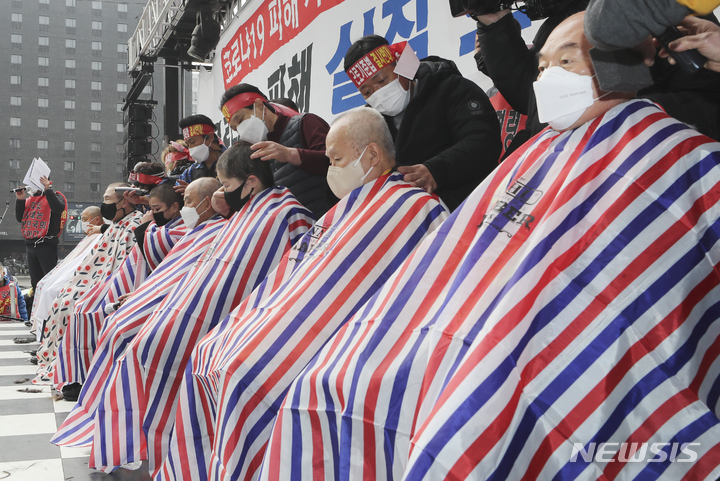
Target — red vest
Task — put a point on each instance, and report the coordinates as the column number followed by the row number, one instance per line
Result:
column 511, row 121
column 8, row 300
column 36, row 218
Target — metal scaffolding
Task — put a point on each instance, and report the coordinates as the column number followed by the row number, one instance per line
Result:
column 155, row 26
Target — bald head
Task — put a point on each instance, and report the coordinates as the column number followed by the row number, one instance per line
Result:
column 567, row 48
column 91, row 212
column 361, row 126
column 199, row 194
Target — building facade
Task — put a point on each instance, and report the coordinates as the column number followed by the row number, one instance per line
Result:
column 61, row 98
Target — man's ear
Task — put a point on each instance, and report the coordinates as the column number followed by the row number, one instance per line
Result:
column 375, row 154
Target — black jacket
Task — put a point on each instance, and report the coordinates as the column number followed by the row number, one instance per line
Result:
column 57, row 207
column 512, row 66
column 450, row 127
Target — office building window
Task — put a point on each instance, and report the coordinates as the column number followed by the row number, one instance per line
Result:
column 15, row 122
column 15, row 80
column 122, row 48
column 96, row 85
column 44, row 2
column 119, row 168
column 69, row 3
column 70, row 43
column 96, row 25
column 96, row 65
column 96, row 106
column 16, row 59
column 95, row 147
column 122, row 7
column 44, row 62
column 94, row 187
column 16, row 38
column 43, row 82
column 97, row 5
column 43, row 123
column 16, row 17
column 44, row 20
column 14, row 143
column 70, row 22
column 69, row 125
column 69, row 165
column 43, row 103
column 95, row 126
column 14, row 163
column 120, row 107
column 69, row 146
column 122, row 87
column 121, row 68
column 16, row 101
column 96, row 45
column 95, row 166
column 69, row 83
column 70, row 104
column 44, row 41
column 69, row 63
column 122, row 27
column 69, row 186
column 42, row 144
column 119, row 127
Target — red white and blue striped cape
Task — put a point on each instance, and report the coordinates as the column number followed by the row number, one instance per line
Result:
column 506, row 339
column 78, row 346
column 241, row 371
column 141, row 401
column 122, row 326
column 105, row 258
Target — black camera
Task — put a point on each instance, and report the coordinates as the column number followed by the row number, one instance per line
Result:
column 460, row 8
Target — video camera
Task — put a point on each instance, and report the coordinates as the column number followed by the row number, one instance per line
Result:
column 534, row 9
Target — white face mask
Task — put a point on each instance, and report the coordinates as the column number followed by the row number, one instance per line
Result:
column 390, row 100
column 200, row 153
column 562, row 97
column 343, row 180
column 190, row 215
column 253, row 130
column 85, row 227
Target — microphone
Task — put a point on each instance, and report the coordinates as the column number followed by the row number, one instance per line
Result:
column 17, row 189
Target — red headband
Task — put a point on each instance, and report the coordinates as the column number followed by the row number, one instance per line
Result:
column 369, row 65
column 175, row 156
column 198, row 129
column 239, row 102
column 145, row 179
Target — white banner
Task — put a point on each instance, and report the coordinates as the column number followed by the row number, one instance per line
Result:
column 297, row 51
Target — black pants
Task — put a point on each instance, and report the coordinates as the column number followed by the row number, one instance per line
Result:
column 41, row 260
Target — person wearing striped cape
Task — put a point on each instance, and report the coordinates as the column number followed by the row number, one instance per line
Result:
column 121, row 326
column 161, row 228
column 238, row 374
column 108, row 254
column 141, row 398
column 570, row 302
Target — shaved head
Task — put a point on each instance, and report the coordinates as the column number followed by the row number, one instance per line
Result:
column 205, row 186
column 363, row 125
column 92, row 212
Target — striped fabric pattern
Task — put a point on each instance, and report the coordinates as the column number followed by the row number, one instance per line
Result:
column 571, row 299
column 141, row 399
column 122, row 326
column 78, row 346
column 159, row 240
column 240, row 372
column 105, row 258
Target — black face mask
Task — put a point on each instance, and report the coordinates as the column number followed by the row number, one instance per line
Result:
column 235, row 200
column 160, row 218
column 109, row 211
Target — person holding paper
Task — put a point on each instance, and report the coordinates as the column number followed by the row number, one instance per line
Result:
column 43, row 217
column 446, row 132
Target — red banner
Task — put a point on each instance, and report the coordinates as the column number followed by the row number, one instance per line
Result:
column 273, row 24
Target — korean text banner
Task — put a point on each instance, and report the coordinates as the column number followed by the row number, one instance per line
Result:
column 295, row 48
